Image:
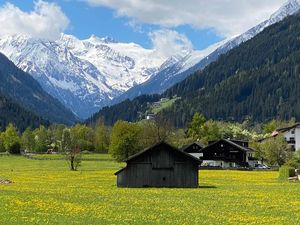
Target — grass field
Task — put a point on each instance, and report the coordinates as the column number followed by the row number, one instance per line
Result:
column 45, row 192
column 163, row 105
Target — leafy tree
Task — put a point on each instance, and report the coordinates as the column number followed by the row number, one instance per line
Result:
column 269, row 127
column 55, row 132
column 10, row 137
column 28, row 140
column 272, row 125
column 2, row 148
column 83, row 137
column 203, row 130
column 260, row 152
column 101, row 138
column 42, row 141
column 210, row 132
column 275, row 151
column 195, row 129
column 66, row 142
column 125, row 140
column 294, row 162
column 15, row 148
column 179, row 138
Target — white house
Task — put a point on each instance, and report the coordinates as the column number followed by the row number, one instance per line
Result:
column 291, row 135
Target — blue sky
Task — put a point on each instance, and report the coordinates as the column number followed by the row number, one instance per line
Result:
column 114, row 18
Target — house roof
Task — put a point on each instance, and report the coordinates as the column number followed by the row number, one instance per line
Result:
column 187, row 146
column 153, row 146
column 157, row 144
column 245, row 149
column 288, row 128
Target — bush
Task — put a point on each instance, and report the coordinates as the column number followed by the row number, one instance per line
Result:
column 15, row 148
column 86, row 152
column 2, row 148
column 40, row 148
column 285, row 172
column 86, row 145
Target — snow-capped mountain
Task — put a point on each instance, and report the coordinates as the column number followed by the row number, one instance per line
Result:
column 88, row 74
column 83, row 74
column 196, row 60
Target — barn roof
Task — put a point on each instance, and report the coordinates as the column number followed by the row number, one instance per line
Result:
column 162, row 143
column 153, row 146
column 245, row 149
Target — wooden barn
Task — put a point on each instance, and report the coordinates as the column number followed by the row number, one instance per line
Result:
column 227, row 154
column 161, row 165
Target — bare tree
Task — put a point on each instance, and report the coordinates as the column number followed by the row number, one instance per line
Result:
column 72, row 150
column 156, row 130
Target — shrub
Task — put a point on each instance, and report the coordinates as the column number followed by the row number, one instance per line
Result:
column 86, row 152
column 15, row 148
column 2, row 148
column 285, row 172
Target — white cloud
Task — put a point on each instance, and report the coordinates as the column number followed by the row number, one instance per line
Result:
column 46, row 20
column 228, row 17
column 169, row 43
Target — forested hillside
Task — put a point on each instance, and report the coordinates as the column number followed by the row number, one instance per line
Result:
column 24, row 90
column 21, row 118
column 260, row 80
column 128, row 110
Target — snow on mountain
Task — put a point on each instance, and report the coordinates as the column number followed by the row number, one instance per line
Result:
column 83, row 74
column 289, row 8
column 197, row 60
column 123, row 64
column 88, row 74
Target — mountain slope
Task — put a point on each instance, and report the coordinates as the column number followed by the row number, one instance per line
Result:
column 168, row 75
column 11, row 112
column 259, row 79
column 26, row 91
column 198, row 60
column 83, row 74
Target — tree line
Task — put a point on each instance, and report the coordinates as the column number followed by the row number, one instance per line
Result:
column 124, row 138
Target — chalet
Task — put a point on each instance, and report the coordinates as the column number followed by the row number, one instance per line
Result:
column 150, row 116
column 194, row 149
column 227, row 154
column 291, row 135
column 161, row 165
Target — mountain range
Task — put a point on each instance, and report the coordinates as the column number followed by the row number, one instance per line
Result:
column 87, row 75
column 258, row 80
column 20, row 89
column 84, row 75
column 196, row 61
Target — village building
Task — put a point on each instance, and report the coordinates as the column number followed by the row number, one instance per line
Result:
column 161, row 165
column 194, row 149
column 291, row 135
column 228, row 154
column 150, row 116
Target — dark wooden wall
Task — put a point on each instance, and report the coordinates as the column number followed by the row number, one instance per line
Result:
column 225, row 152
column 160, row 168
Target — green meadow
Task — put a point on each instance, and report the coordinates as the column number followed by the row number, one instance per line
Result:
column 46, row 192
